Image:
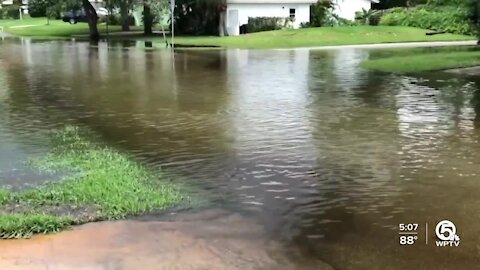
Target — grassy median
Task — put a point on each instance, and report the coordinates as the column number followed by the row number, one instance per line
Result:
column 423, row 62
column 320, row 36
column 104, row 184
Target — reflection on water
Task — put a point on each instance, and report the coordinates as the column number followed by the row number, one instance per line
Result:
column 327, row 156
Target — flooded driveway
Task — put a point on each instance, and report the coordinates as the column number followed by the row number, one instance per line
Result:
column 209, row 239
column 326, row 157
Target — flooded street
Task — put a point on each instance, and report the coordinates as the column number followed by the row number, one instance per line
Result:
column 323, row 157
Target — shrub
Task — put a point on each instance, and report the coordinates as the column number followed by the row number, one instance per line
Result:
column 368, row 17
column 345, row 22
column 444, row 18
column 306, row 25
column 258, row 24
column 116, row 19
column 37, row 8
column 10, row 12
column 320, row 13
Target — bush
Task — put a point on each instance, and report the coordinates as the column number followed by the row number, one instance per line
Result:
column 445, row 18
column 321, row 13
column 375, row 17
column 258, row 24
column 306, row 25
column 345, row 22
column 37, row 8
column 10, row 12
column 368, row 17
column 116, row 19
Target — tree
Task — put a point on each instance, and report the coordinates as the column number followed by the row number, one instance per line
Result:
column 320, row 10
column 474, row 16
column 147, row 18
column 200, row 17
column 92, row 20
column 125, row 7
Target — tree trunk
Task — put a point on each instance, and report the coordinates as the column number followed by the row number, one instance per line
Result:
column 92, row 19
column 221, row 24
column 222, row 29
column 124, row 15
column 477, row 20
column 147, row 19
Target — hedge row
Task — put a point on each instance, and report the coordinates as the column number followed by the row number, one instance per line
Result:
column 444, row 18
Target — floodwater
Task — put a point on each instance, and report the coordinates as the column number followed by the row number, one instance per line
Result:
column 326, row 157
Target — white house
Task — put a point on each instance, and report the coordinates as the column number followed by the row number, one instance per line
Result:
column 238, row 11
column 346, row 8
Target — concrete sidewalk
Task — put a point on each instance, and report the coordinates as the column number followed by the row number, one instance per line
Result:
column 393, row 45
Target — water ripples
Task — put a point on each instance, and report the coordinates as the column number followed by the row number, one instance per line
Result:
column 307, row 141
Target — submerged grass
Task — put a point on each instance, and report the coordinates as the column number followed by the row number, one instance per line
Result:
column 425, row 62
column 106, row 185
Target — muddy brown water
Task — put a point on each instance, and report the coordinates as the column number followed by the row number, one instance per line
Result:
column 324, row 157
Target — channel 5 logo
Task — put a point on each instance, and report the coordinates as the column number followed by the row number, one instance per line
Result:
column 447, row 234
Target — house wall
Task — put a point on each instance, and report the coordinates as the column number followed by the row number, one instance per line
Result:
column 302, row 13
column 346, row 8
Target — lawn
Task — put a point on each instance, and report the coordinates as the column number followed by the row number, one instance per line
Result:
column 287, row 38
column 37, row 27
column 425, row 62
column 102, row 184
column 324, row 36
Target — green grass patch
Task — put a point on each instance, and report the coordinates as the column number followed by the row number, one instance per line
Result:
column 287, row 38
column 323, row 36
column 104, row 185
column 25, row 225
column 37, row 27
column 425, row 62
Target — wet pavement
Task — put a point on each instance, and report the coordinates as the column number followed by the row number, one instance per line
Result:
column 209, row 239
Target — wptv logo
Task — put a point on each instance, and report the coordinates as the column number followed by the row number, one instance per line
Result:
column 447, row 234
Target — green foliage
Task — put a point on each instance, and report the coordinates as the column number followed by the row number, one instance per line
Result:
column 10, row 12
column 334, row 20
column 320, row 12
column 453, row 3
column 368, row 17
column 259, row 24
column 445, row 18
column 473, row 7
column 116, row 19
column 197, row 17
column 37, row 8
column 105, row 184
column 50, row 8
